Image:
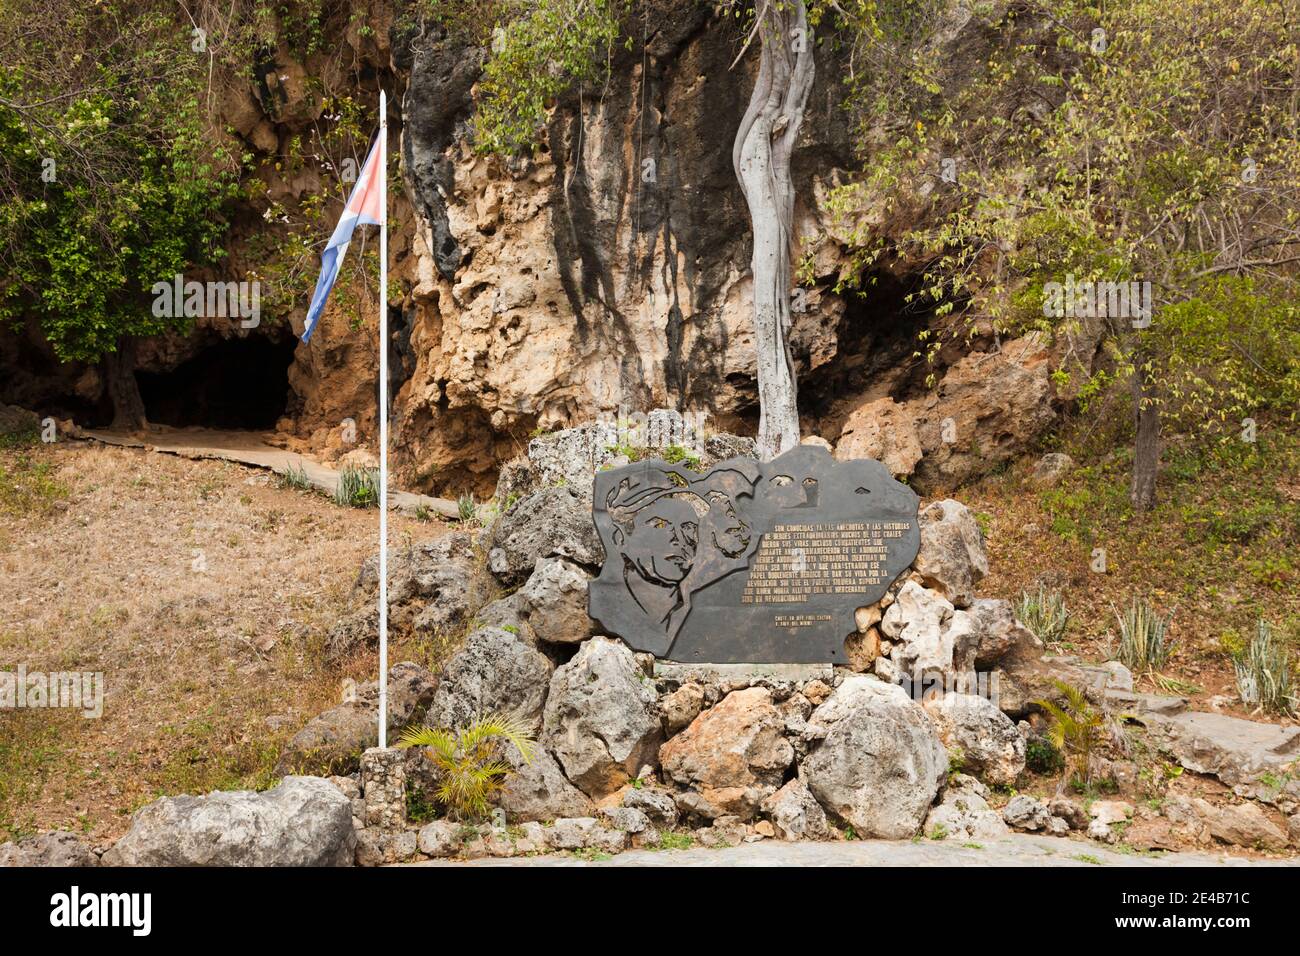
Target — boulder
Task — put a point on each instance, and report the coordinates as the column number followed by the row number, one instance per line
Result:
column 885, row 431
column 964, row 814
column 877, row 762
column 332, row 742
column 554, row 602
column 305, row 821
column 1110, row 811
column 538, row 790
column 48, row 849
column 434, row 587
column 1242, row 824
column 951, row 559
column 549, row 523
column 1069, row 811
column 580, row 833
column 862, row 649
column 496, row 671
column 988, row 408
column 732, row 754
column 600, row 719
column 378, row 847
column 930, row 636
column 796, row 814
column 441, row 838
column 1051, row 468
column 681, row 706
column 1001, row 635
column 988, row 742
column 1026, row 813
column 658, row 805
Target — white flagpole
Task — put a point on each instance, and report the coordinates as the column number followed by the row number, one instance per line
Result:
column 383, row 422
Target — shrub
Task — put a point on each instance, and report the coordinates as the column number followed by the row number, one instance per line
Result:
column 1143, row 643
column 1042, row 756
column 358, row 487
column 1044, row 613
column 1264, row 673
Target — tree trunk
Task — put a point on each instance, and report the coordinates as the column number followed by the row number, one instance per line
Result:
column 761, row 157
column 1146, row 447
column 123, row 389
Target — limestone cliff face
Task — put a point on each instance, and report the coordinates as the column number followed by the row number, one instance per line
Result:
column 608, row 270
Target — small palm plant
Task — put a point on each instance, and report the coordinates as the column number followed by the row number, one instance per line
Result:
column 1264, row 673
column 1078, row 730
column 469, row 761
column 1143, row 644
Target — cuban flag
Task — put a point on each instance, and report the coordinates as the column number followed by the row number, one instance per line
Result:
column 366, row 206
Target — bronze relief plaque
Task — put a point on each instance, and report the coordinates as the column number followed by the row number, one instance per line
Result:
column 748, row 562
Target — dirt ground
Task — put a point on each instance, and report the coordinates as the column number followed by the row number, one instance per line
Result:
column 200, row 589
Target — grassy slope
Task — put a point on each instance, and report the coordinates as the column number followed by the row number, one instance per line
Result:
column 208, row 671
column 1222, row 547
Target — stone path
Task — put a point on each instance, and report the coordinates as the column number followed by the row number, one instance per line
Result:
column 251, row 448
column 1015, row 850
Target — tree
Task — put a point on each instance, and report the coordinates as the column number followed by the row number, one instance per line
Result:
column 109, row 178
column 1145, row 141
column 761, row 157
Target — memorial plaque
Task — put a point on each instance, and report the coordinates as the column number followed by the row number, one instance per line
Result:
column 748, row 562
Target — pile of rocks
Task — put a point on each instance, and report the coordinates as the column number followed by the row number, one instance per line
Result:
column 631, row 748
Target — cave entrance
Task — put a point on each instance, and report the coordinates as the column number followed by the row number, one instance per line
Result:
column 230, row 383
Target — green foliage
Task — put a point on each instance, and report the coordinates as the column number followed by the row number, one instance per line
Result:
column 1044, row 613
column 1264, row 673
column 467, row 507
column 358, row 487
column 1077, row 730
column 1142, row 636
column 28, row 486
column 1168, row 153
column 469, row 761
column 540, row 49
column 1042, row 756
column 672, row 454
column 294, row 477
column 674, row 841
column 111, row 95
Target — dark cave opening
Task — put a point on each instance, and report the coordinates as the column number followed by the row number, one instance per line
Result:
column 878, row 334
column 230, row 383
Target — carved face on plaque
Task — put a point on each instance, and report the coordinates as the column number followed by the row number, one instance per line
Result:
column 748, row 562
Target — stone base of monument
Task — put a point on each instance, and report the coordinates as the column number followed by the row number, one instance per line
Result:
column 735, row 676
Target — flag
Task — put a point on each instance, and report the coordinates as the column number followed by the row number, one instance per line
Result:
column 366, row 206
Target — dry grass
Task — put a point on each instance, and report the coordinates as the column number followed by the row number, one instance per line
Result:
column 202, row 591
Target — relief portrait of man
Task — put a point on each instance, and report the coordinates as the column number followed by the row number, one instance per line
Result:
column 672, row 534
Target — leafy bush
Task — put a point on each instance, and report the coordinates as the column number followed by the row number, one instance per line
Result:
column 469, row 761
column 1044, row 613
column 1042, row 756
column 1142, row 636
column 1264, row 673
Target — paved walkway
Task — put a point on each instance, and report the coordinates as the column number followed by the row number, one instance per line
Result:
column 251, row 448
column 1014, row 850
